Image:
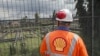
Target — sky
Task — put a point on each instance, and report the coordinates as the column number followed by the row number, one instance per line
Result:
column 17, row 9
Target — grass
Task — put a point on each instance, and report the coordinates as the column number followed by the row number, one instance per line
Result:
column 26, row 47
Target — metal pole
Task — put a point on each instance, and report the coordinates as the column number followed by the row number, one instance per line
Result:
column 92, row 27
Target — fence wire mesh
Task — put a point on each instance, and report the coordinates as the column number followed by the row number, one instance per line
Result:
column 23, row 24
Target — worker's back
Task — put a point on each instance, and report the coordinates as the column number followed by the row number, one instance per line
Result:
column 60, row 43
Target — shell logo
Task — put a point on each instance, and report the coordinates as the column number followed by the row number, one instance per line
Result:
column 59, row 44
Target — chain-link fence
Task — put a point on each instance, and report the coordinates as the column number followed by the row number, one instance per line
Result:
column 23, row 24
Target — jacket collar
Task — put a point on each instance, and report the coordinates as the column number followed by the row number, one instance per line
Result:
column 63, row 28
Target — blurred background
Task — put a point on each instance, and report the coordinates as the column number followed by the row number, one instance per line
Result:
column 23, row 24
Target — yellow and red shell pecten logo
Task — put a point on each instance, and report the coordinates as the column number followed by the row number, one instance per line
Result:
column 59, row 44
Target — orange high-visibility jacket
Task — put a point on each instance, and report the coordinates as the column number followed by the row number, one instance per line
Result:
column 60, row 43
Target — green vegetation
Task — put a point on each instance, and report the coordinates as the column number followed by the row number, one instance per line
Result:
column 26, row 47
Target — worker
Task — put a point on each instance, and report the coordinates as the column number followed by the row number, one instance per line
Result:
column 61, row 41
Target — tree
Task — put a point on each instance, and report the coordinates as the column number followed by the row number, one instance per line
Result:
column 36, row 17
column 85, row 23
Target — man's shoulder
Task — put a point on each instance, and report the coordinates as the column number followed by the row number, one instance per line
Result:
column 74, row 33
